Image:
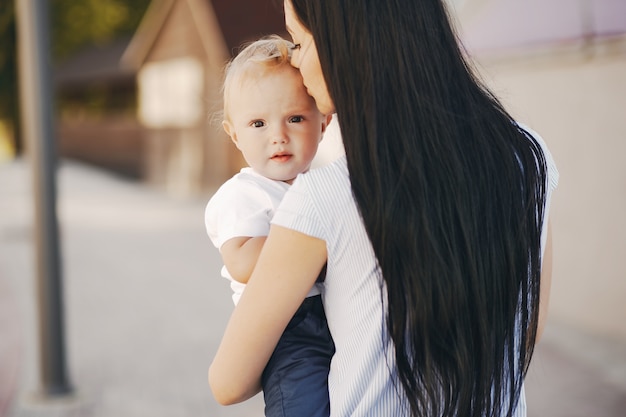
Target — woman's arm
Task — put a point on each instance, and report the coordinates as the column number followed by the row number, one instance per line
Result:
column 546, row 284
column 287, row 268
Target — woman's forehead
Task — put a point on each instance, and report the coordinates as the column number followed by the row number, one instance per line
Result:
column 291, row 21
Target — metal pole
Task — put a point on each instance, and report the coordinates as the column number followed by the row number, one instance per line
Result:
column 38, row 128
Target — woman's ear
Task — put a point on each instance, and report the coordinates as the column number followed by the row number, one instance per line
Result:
column 230, row 131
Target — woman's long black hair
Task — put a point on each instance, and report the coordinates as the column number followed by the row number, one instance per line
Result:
column 451, row 192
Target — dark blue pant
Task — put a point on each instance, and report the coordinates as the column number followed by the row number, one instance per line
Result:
column 295, row 380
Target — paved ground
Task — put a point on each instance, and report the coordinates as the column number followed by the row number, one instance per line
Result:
column 145, row 309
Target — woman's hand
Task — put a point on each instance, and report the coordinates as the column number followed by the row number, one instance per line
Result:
column 287, row 268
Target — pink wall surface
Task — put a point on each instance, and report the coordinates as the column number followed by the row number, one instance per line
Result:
column 512, row 24
column 609, row 16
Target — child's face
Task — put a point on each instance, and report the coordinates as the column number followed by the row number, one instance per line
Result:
column 275, row 123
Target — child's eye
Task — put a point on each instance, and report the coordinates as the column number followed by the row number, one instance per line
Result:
column 295, row 47
column 296, row 119
column 257, row 123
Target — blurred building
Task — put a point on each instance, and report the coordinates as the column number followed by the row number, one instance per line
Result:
column 160, row 92
column 97, row 103
column 560, row 67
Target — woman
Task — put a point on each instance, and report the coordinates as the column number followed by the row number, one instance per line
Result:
column 433, row 226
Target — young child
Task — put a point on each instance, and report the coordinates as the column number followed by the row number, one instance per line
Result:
column 273, row 121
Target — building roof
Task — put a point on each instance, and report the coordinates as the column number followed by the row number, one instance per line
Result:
column 95, row 62
column 238, row 21
column 245, row 20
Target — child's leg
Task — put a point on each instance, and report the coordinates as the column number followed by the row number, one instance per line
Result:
column 295, row 381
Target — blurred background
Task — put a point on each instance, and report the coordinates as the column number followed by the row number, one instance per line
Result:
column 136, row 83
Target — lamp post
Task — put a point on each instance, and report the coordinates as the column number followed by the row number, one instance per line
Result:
column 38, row 128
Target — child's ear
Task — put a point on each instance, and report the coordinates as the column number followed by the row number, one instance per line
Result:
column 230, row 131
column 325, row 121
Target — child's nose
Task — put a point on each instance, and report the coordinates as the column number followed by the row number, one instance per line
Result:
column 279, row 136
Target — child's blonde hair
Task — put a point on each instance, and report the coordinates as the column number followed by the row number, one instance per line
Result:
column 254, row 59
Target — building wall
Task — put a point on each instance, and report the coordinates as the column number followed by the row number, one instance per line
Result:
column 500, row 25
column 575, row 97
column 199, row 157
column 113, row 143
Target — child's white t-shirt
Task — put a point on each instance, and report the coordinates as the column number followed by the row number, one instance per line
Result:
column 243, row 206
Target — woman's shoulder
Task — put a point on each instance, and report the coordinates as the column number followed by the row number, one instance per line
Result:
column 553, row 172
column 326, row 183
column 332, row 174
column 320, row 189
column 247, row 181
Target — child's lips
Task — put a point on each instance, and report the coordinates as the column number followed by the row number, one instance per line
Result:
column 281, row 157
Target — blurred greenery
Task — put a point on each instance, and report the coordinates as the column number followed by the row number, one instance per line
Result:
column 8, row 68
column 86, row 22
column 74, row 24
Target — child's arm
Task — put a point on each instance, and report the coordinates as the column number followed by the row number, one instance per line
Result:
column 240, row 255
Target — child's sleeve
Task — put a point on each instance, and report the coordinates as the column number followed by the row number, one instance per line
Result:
column 240, row 209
